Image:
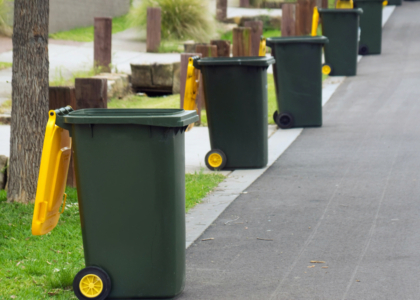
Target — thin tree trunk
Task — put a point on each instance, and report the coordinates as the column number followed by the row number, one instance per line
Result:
column 29, row 97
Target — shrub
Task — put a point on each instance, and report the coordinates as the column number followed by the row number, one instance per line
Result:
column 5, row 29
column 181, row 19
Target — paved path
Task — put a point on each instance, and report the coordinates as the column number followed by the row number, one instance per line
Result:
column 346, row 194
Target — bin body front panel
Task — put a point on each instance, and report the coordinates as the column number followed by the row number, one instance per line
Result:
column 298, row 80
column 236, row 105
column 131, row 189
column 371, row 25
column 342, row 31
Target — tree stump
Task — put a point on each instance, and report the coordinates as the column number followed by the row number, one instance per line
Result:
column 103, row 44
column 288, row 19
column 223, row 47
column 256, row 33
column 241, row 41
column 154, row 23
column 184, row 66
column 61, row 96
column 91, row 93
column 221, row 10
column 244, row 3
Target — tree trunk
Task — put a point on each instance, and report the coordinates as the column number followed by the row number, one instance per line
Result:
column 29, row 97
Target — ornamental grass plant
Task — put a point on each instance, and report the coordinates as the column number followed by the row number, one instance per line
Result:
column 181, row 19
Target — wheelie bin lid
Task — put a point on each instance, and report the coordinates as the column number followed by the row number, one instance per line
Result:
column 253, row 61
column 297, row 40
column 358, row 11
column 151, row 117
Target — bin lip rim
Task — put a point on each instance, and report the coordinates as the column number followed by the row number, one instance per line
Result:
column 165, row 117
column 358, row 11
column 298, row 40
column 257, row 61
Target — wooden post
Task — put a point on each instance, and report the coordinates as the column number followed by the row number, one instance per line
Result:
column 103, row 44
column 244, row 3
column 184, row 66
column 241, row 41
column 221, row 10
column 61, row 96
column 223, row 47
column 288, row 19
column 256, row 33
column 206, row 50
column 91, row 93
column 304, row 12
column 154, row 20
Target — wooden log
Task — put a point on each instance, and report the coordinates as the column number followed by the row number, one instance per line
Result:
column 221, row 10
column 206, row 50
column 304, row 13
column 154, row 23
column 103, row 44
column 184, row 66
column 288, row 19
column 61, row 96
column 256, row 33
column 91, row 93
column 223, row 47
column 244, row 3
column 241, row 41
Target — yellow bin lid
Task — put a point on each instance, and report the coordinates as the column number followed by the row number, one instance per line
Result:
column 52, row 179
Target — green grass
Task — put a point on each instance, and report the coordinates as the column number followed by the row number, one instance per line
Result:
column 85, row 34
column 5, row 65
column 60, row 80
column 38, row 267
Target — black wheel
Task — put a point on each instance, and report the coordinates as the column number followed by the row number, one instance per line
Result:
column 326, row 69
column 363, row 50
column 216, row 160
column 284, row 120
column 92, row 283
column 276, row 113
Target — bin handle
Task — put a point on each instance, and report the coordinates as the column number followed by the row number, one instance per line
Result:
column 315, row 21
column 344, row 4
column 385, row 3
column 191, row 87
column 263, row 46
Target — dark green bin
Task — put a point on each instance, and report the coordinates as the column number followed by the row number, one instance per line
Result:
column 298, row 79
column 394, row 2
column 235, row 90
column 341, row 27
column 370, row 26
column 130, row 172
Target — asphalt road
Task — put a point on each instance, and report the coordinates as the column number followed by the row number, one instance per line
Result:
column 346, row 194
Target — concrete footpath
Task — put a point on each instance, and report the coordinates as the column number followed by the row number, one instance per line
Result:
column 337, row 215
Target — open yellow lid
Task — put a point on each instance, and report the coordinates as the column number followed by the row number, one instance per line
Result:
column 52, row 179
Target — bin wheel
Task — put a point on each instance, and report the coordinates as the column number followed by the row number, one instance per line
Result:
column 363, row 50
column 92, row 283
column 216, row 160
column 284, row 120
column 326, row 69
column 275, row 115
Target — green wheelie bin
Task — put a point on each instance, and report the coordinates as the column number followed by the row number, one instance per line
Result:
column 130, row 172
column 235, row 90
column 298, row 80
column 370, row 26
column 395, row 2
column 341, row 27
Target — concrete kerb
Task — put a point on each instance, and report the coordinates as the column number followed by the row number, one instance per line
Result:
column 199, row 218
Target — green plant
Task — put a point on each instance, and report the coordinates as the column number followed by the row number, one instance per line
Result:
column 181, row 19
column 5, row 29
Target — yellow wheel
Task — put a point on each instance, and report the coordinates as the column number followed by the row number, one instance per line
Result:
column 92, row 283
column 326, row 69
column 91, row 286
column 215, row 160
